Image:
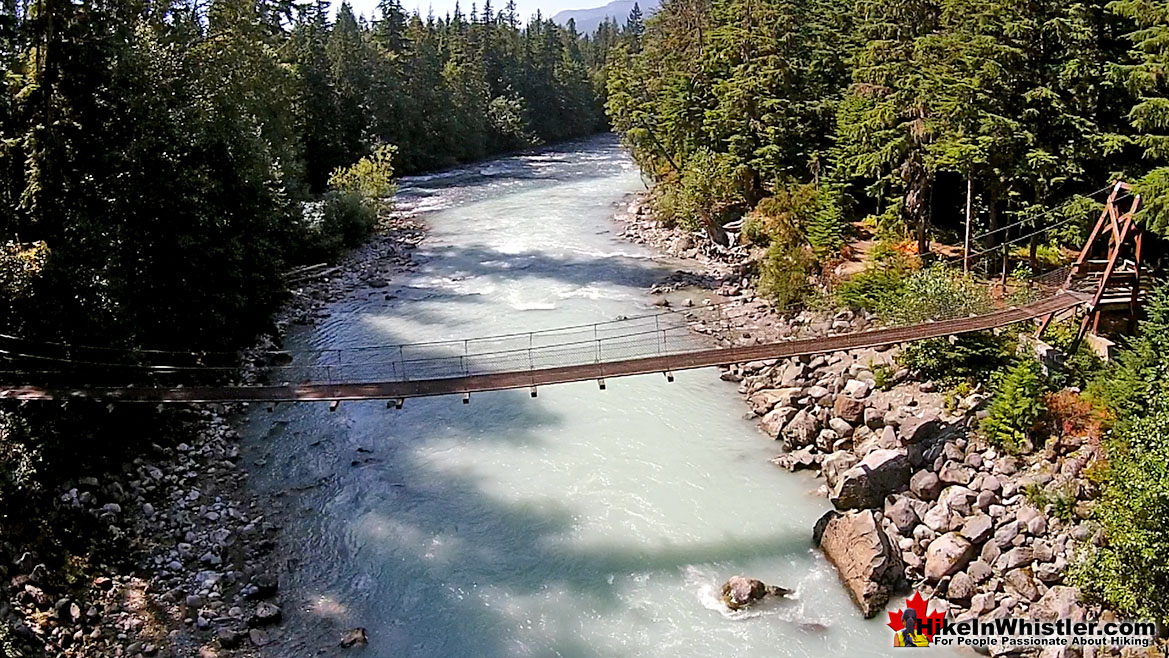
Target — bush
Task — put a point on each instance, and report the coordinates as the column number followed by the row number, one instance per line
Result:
column 1017, row 410
column 344, row 220
column 936, row 293
column 710, row 190
column 783, row 274
column 966, row 357
column 1131, row 570
column 806, row 210
column 1139, row 376
column 871, row 289
column 371, row 177
column 1073, row 414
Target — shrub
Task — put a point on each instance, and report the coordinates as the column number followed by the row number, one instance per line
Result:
column 371, row 177
column 344, row 220
column 1079, row 367
column 783, row 274
column 966, row 357
column 1017, row 409
column 1131, row 570
column 1139, row 375
column 807, row 210
column 873, row 288
column 710, row 190
column 1075, row 415
column 934, row 294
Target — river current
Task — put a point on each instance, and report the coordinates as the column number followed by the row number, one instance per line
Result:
column 583, row 523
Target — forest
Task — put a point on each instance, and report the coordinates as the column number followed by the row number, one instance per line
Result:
column 805, row 126
column 890, row 112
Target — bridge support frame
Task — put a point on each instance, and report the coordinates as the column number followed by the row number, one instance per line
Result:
column 1119, row 227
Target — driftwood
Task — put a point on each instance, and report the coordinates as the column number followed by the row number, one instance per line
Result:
column 309, row 273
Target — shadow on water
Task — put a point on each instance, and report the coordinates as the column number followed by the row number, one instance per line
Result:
column 392, row 524
column 417, row 546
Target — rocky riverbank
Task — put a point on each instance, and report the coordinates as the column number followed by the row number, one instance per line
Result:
column 921, row 502
column 195, row 576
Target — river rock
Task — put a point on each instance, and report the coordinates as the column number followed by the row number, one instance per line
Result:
column 946, row 555
column 774, row 421
column 1059, row 602
column 856, row 389
column 925, row 485
column 978, row 528
column 741, row 592
column 879, row 474
column 835, row 465
column 266, row 614
column 767, row 399
column 868, row 564
column 902, row 514
column 849, row 408
column 919, row 428
column 1014, row 558
column 355, row 637
column 961, row 587
column 801, row 430
column 1021, row 583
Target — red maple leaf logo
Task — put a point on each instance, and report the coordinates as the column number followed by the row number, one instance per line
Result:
column 930, row 622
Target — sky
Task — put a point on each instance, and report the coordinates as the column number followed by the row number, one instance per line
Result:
column 525, row 8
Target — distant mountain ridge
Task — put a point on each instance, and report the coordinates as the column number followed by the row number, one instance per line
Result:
column 587, row 20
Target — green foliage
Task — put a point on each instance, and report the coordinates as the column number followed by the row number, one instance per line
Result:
column 878, row 286
column 783, row 274
column 1131, row 570
column 958, row 359
column 346, row 220
column 1139, row 376
column 709, row 192
column 1017, row 410
column 808, row 210
column 935, row 293
column 371, row 177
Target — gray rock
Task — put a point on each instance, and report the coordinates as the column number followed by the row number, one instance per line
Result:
column 1021, row 584
column 1006, row 533
column 868, row 564
column 873, row 418
column 925, row 485
column 1059, row 602
column 1014, row 558
column 354, row 638
column 741, row 592
column 265, row 614
column 979, row 571
column 849, row 408
column 982, row 603
column 826, row 439
column 840, row 426
column 775, row 420
column 919, row 428
column 978, row 528
column 902, row 514
column 801, row 430
column 879, row 474
column 856, row 389
column 946, row 555
column 961, row 587
column 954, row 473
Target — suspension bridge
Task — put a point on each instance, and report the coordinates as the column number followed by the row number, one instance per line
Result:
column 663, row 342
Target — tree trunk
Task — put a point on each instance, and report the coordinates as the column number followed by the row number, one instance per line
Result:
column 915, row 211
column 969, row 213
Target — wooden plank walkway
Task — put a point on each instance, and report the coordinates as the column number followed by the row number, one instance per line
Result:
column 397, row 390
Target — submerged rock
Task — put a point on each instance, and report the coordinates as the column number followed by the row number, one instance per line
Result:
column 741, row 592
column 355, row 637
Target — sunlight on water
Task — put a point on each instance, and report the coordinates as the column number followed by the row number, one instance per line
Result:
column 582, row 523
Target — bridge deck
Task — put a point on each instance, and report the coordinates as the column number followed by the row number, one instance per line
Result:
column 518, row 379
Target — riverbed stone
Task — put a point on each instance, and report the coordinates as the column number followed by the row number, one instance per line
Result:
column 849, row 408
column 801, row 430
column 902, row 514
column 868, row 564
column 925, row 485
column 880, row 473
column 946, row 555
column 775, row 420
column 1059, row 602
column 978, row 528
column 835, row 464
column 918, row 428
column 741, row 592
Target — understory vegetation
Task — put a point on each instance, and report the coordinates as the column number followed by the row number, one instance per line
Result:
column 878, row 117
column 163, row 164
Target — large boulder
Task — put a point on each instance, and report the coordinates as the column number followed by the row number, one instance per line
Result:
column 849, row 408
column 740, row 592
column 869, row 565
column 837, row 464
column 769, row 398
column 801, row 430
column 879, row 474
column 774, row 421
column 946, row 555
column 916, row 429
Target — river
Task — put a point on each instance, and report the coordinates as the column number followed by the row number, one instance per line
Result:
column 582, row 523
